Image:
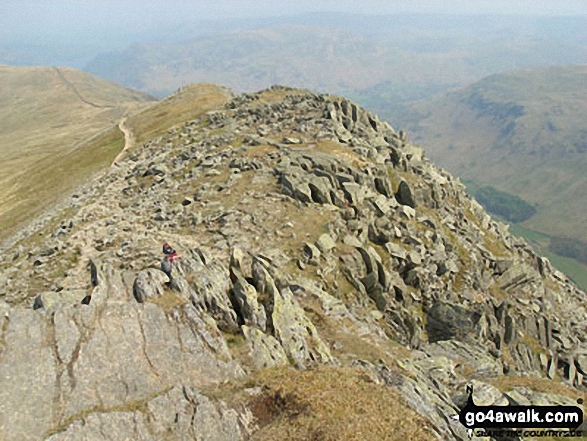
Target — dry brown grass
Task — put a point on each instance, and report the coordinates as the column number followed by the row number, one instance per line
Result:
column 175, row 110
column 537, row 384
column 47, row 117
column 55, row 177
column 331, row 403
column 272, row 96
column 168, row 301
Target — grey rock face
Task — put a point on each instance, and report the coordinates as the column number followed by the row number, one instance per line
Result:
column 52, row 299
column 446, row 322
column 180, row 413
column 404, row 195
column 149, row 284
column 246, row 304
column 101, row 356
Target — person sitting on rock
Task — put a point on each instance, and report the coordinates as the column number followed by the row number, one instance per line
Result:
column 169, row 259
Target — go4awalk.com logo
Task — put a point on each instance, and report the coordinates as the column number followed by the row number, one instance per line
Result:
column 488, row 420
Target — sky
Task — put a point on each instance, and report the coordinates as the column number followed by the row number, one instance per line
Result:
column 50, row 14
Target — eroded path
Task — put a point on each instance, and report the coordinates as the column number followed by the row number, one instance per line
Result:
column 129, row 140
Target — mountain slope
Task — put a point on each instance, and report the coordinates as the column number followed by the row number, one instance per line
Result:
column 331, row 282
column 523, row 133
column 46, row 115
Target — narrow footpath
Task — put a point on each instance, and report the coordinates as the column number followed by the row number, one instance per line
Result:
column 129, row 140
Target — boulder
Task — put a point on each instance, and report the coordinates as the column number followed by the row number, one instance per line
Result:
column 320, row 189
column 354, row 193
column 244, row 299
column 49, row 299
column 311, row 254
column 325, row 243
column 149, row 284
column 404, row 195
column 265, row 350
column 445, row 321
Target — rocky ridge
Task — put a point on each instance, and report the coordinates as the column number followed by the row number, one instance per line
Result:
column 310, row 233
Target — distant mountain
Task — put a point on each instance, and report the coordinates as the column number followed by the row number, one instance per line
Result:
column 46, row 117
column 521, row 132
column 319, row 58
column 364, row 57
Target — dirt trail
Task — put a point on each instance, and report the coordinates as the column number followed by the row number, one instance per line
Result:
column 129, row 140
column 76, row 92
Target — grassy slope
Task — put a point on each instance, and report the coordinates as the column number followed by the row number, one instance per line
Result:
column 190, row 103
column 57, row 126
column 60, row 172
column 522, row 132
column 577, row 271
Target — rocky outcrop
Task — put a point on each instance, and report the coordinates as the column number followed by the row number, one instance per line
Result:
column 308, row 232
column 101, row 356
column 149, row 284
column 180, row 412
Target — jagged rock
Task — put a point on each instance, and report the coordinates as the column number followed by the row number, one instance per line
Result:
column 49, row 299
column 383, row 186
column 180, row 413
column 383, row 205
column 331, row 306
column 354, row 193
column 209, row 284
column 351, row 241
column 108, row 284
column 581, row 363
column 245, row 300
column 297, row 188
column 296, row 333
column 406, row 212
column 149, row 284
column 320, row 189
column 265, row 350
column 325, row 243
column 396, row 251
column 158, row 170
column 516, row 276
column 404, row 195
column 311, row 253
column 445, row 321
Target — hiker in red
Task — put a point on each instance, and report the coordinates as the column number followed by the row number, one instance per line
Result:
column 169, row 259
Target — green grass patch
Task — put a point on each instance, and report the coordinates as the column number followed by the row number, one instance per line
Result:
column 575, row 270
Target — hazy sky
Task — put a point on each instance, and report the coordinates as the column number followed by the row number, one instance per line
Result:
column 48, row 14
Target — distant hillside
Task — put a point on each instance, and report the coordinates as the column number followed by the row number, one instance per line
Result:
column 47, row 116
column 319, row 58
column 522, row 132
column 399, row 57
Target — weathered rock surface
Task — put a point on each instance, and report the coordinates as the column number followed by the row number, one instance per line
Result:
column 180, row 413
column 102, row 356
